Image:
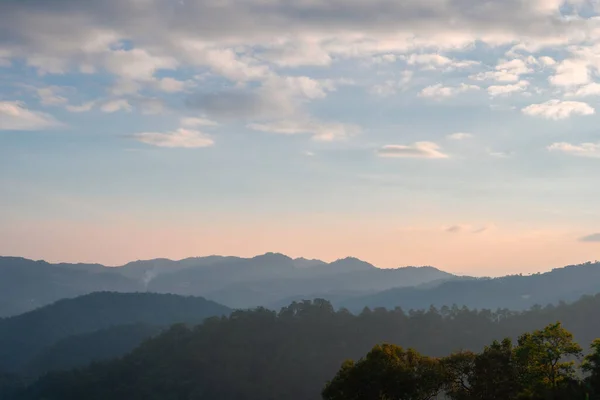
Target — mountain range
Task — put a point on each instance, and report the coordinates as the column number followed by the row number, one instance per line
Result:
column 265, row 280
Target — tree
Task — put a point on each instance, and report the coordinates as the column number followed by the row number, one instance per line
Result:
column 387, row 373
column 459, row 369
column 545, row 359
column 591, row 365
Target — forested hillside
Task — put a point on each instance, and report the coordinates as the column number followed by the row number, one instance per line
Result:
column 24, row 337
column 261, row 354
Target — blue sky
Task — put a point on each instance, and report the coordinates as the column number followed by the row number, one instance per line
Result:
column 445, row 132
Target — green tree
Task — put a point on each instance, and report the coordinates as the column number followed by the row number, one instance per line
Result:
column 546, row 360
column 591, row 365
column 459, row 369
column 388, row 372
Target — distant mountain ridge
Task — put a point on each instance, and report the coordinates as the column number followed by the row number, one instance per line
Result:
column 514, row 292
column 234, row 281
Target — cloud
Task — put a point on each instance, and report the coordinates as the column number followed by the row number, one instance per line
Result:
column 116, row 105
column 136, row 64
column 547, row 61
column 570, row 73
column 591, row 150
column 468, row 228
column 498, row 90
column 416, row 150
column 453, row 229
column 183, row 138
column 49, row 96
column 171, row 85
column 556, row 109
column 81, row 108
column 436, row 61
column 593, row 238
column 275, row 98
column 506, row 71
column 231, row 37
column 15, row 116
column 321, row 131
column 440, row 90
column 195, row 121
column 235, row 104
column 460, row 136
column 391, row 86
column 591, row 89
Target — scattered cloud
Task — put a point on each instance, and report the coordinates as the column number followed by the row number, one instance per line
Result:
column 557, row 109
column 460, row 136
column 195, row 121
column 391, row 86
column 591, row 150
column 416, row 150
column 498, row 90
column 440, row 90
column 436, row 61
column 593, row 238
column 81, row 108
column 49, row 96
column 15, row 116
column 183, row 138
column 591, row 89
column 500, row 154
column 571, row 73
column 467, row 228
column 116, row 105
column 505, row 71
column 547, row 61
column 319, row 130
column 170, row 85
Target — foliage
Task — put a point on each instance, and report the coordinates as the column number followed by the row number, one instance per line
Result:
column 536, row 369
column 262, row 355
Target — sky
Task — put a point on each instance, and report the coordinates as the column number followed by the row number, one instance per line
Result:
column 456, row 133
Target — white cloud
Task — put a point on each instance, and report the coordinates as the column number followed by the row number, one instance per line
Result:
column 15, row 116
column 515, row 66
column 591, row 150
column 570, row 73
column 500, row 76
column 137, row 64
column 384, row 59
column 307, row 52
column 183, row 138
column 116, row 105
column 434, row 61
column 49, row 96
column 82, row 107
column 428, row 60
column 460, row 136
column 321, row 131
column 391, row 86
column 170, row 85
column 195, row 121
column 591, row 89
column 415, row 150
column 497, row 90
column 507, row 71
column 500, row 154
column 556, row 109
column 440, row 90
column 301, row 86
column 547, row 61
